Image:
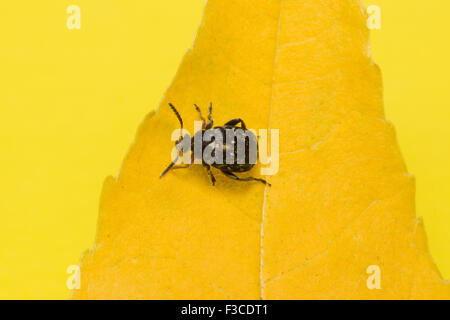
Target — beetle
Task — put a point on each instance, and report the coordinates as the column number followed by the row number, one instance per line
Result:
column 240, row 158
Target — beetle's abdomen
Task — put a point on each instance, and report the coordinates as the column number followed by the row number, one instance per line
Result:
column 230, row 148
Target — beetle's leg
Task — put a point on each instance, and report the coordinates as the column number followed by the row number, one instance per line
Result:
column 181, row 166
column 201, row 116
column 235, row 177
column 234, row 122
column 210, row 118
column 173, row 165
column 208, row 169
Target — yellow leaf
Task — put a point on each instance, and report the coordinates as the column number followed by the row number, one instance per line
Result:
column 340, row 211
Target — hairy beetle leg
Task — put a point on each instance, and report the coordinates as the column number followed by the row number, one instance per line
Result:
column 213, row 179
column 183, row 166
column 235, row 177
column 210, row 118
column 201, row 116
column 235, row 122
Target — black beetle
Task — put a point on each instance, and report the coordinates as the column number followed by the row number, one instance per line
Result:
column 240, row 158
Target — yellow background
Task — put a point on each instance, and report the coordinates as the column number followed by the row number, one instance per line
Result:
column 71, row 101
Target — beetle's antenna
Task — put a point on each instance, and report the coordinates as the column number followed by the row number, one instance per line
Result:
column 176, row 143
column 210, row 113
column 169, row 167
column 179, row 118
